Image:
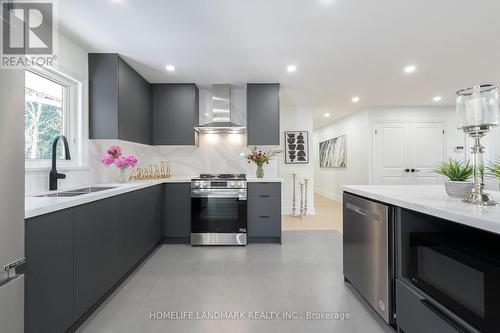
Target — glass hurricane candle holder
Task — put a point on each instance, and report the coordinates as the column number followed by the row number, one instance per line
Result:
column 478, row 112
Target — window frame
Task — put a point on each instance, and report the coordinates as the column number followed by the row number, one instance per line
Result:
column 73, row 120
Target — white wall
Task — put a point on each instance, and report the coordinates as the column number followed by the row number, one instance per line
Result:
column 296, row 119
column 358, row 128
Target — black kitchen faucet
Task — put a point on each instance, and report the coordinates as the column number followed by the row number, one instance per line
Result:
column 54, row 175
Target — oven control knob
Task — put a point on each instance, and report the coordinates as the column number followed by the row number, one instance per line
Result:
column 230, row 184
column 205, row 184
column 197, row 184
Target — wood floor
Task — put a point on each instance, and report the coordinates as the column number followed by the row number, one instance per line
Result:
column 328, row 216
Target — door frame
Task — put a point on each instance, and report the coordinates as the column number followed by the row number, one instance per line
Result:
column 402, row 121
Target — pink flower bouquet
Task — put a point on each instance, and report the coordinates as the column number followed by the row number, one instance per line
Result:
column 114, row 156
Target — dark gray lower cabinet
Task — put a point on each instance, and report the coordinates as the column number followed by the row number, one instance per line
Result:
column 76, row 256
column 414, row 316
column 155, row 228
column 95, row 247
column 177, row 228
column 49, row 272
column 129, row 242
column 140, row 217
column 264, row 212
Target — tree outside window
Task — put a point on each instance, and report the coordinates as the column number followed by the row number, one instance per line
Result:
column 44, row 115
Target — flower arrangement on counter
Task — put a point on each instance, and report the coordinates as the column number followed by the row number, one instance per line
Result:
column 114, row 156
column 260, row 158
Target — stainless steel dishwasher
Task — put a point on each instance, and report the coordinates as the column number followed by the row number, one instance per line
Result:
column 368, row 252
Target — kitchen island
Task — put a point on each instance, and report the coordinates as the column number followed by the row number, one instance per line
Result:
column 433, row 200
column 423, row 261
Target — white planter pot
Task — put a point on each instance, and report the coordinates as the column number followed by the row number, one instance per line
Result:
column 458, row 189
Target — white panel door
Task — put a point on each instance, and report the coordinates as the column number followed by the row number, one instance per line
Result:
column 427, row 152
column 392, row 154
column 407, row 153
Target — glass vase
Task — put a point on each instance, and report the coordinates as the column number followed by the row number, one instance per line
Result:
column 260, row 171
column 122, row 176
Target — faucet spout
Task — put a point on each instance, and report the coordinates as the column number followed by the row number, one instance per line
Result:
column 54, row 175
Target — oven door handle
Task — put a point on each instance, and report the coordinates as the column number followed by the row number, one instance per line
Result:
column 218, row 194
column 441, row 314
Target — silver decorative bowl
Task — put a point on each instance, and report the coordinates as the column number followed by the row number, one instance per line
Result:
column 457, row 189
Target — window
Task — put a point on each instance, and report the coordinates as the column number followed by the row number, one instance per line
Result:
column 52, row 108
column 45, row 114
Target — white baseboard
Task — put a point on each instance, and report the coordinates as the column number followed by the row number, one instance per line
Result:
column 329, row 195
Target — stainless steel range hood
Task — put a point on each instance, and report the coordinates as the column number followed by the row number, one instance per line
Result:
column 220, row 112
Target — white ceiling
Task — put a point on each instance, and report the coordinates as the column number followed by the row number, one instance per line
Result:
column 341, row 48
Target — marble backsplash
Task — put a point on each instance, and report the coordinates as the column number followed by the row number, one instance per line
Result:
column 216, row 153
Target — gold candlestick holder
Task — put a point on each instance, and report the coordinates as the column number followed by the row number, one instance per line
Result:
column 152, row 171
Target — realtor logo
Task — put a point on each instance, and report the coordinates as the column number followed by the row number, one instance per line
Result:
column 28, row 31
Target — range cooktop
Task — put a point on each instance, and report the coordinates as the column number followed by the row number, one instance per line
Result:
column 224, row 176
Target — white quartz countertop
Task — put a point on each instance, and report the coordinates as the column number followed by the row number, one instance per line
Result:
column 35, row 206
column 433, row 200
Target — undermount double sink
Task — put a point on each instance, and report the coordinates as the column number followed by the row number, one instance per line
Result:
column 74, row 193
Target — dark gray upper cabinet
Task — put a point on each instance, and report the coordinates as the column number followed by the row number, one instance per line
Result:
column 175, row 114
column 95, row 246
column 49, row 272
column 263, row 113
column 264, row 212
column 120, row 100
column 177, row 227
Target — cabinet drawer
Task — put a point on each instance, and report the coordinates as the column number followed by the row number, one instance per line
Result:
column 264, row 189
column 263, row 205
column 415, row 315
column 264, row 226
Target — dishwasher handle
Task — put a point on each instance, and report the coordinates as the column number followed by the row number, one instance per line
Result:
column 355, row 209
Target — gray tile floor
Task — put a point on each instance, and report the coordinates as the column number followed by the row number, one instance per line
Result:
column 303, row 275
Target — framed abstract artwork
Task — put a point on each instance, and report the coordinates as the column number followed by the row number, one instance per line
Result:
column 332, row 153
column 296, row 147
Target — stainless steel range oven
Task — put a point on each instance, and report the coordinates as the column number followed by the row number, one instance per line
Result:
column 461, row 271
column 219, row 210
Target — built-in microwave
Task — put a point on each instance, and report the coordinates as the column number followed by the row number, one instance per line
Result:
column 461, row 272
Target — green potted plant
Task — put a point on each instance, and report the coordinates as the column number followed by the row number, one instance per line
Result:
column 493, row 169
column 458, row 174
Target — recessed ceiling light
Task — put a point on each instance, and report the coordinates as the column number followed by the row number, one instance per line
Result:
column 437, row 99
column 327, row 115
column 355, row 99
column 170, row 68
column 410, row 69
column 291, row 68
